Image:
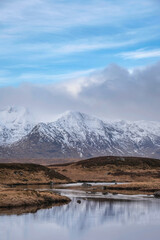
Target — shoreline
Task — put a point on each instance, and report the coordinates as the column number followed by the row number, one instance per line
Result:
column 11, row 198
column 126, row 188
column 19, row 201
column 132, row 176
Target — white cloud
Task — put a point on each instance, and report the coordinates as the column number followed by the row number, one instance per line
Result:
column 93, row 44
column 52, row 16
column 39, row 51
column 41, row 78
column 141, row 53
column 113, row 92
column 26, row 23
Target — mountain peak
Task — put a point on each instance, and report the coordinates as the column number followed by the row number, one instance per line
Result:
column 77, row 134
column 15, row 122
column 74, row 114
column 13, row 109
column 77, row 116
column 15, row 115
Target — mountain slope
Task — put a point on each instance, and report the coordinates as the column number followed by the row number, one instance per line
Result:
column 15, row 123
column 78, row 135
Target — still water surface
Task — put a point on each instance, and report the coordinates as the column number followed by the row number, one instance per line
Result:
column 99, row 218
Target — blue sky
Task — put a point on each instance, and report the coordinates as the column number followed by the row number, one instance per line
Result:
column 50, row 41
column 100, row 57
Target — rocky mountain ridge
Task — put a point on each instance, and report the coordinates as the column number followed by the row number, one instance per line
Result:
column 78, row 135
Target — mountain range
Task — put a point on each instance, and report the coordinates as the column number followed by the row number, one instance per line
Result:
column 74, row 135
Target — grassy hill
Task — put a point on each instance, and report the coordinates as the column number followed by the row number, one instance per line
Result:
column 112, row 168
column 19, row 173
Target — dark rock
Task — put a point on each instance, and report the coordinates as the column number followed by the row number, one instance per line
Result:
column 114, row 181
column 104, row 188
column 105, row 193
column 157, row 194
column 79, row 201
column 86, row 185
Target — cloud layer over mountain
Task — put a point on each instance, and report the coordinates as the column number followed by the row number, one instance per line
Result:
column 113, row 92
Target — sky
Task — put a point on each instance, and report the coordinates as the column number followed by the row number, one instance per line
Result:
column 101, row 57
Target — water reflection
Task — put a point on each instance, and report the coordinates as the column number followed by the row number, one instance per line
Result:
column 92, row 219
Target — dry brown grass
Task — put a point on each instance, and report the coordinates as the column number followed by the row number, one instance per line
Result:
column 109, row 173
column 17, row 198
column 29, row 174
column 112, row 168
column 142, row 173
column 136, row 187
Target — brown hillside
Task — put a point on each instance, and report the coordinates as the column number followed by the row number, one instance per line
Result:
column 112, row 169
column 13, row 173
column 120, row 161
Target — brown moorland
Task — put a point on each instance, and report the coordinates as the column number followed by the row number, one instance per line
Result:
column 20, row 173
column 18, row 198
column 143, row 174
column 28, row 174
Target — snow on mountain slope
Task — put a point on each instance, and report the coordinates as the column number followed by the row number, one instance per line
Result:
column 88, row 136
column 74, row 127
column 79, row 135
column 137, row 131
column 78, row 125
column 15, row 122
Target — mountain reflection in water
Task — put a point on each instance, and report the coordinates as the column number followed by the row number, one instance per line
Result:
column 113, row 220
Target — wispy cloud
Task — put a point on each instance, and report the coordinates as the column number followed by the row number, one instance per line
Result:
column 64, row 36
column 41, row 78
column 141, row 53
column 56, row 15
column 95, row 44
column 51, row 50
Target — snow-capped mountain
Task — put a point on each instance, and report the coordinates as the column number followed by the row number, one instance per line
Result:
column 15, row 123
column 78, row 135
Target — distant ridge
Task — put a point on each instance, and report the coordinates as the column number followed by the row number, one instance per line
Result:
column 76, row 135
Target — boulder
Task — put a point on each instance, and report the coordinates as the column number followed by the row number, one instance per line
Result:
column 105, row 193
column 86, row 185
column 157, row 194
